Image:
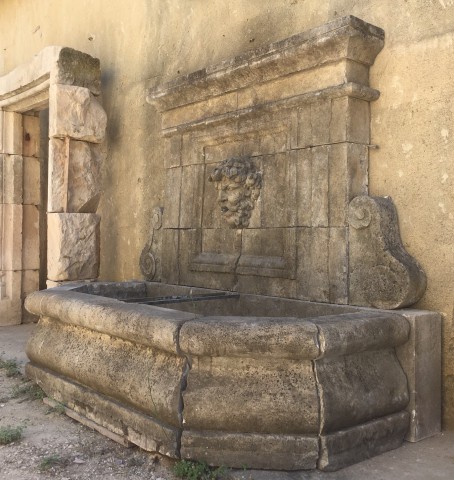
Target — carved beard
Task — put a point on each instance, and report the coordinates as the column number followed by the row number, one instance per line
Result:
column 237, row 214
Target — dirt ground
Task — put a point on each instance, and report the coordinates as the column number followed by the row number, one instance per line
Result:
column 54, row 446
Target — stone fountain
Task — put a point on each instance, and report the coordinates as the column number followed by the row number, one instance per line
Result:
column 272, row 329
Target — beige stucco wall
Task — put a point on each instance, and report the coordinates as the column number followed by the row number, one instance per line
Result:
column 144, row 42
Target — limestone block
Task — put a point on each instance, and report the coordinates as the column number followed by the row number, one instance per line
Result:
column 32, row 181
column 12, row 237
column 172, row 151
column 192, row 186
column 253, row 337
column 170, row 242
column 142, row 378
column 348, row 333
column 30, row 282
column 322, row 264
column 348, row 39
column 420, row 358
column 31, row 136
column 10, row 133
column 353, row 445
column 153, row 327
column 266, row 395
column 270, row 252
column 13, row 283
column 77, row 68
column 350, row 121
column 13, row 172
column 10, row 301
column 275, row 452
column 359, row 387
column 382, row 273
column 171, row 217
column 278, row 196
column 72, row 246
column 75, row 113
column 84, row 176
column 10, row 312
column 138, row 428
column 30, row 238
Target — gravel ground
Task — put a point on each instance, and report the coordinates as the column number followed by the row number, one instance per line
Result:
column 54, row 446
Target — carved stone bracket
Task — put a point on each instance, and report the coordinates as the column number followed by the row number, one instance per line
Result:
column 148, row 261
column 382, row 273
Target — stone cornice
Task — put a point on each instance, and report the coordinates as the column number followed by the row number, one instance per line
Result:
column 348, row 40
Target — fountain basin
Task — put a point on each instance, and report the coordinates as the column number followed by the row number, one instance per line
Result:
column 252, row 380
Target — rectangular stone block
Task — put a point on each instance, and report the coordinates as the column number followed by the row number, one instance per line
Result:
column 198, row 111
column 348, row 178
column 277, row 452
column 353, row 445
column 313, row 264
column 30, row 283
column 141, row 429
column 76, row 113
column 320, row 186
column 278, row 194
column 201, row 274
column 216, row 152
column 31, row 136
column 312, row 167
column 268, row 252
column 359, row 388
column 217, row 387
column 13, row 173
column 350, row 121
column 58, row 175
column 191, row 196
column 314, row 120
column 72, row 246
column 170, row 262
column 32, row 181
column 10, row 312
column 30, row 238
column 10, row 133
column 12, row 237
column 171, row 217
column 420, row 358
column 74, row 173
column 172, row 151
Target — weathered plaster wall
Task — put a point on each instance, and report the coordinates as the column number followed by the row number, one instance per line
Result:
column 145, row 42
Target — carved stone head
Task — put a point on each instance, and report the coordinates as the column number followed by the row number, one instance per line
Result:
column 238, row 183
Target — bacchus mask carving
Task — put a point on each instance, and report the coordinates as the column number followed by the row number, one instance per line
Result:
column 238, row 184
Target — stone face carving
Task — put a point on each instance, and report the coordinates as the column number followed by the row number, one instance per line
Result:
column 238, row 183
column 148, row 260
column 382, row 273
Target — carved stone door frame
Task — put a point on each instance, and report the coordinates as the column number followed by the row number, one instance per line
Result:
column 67, row 82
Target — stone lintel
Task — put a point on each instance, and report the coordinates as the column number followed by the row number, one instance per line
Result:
column 347, row 38
column 52, row 65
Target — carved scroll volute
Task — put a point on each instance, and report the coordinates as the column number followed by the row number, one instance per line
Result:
column 148, row 260
column 381, row 272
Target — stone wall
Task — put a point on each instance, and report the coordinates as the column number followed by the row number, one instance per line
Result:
column 156, row 41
